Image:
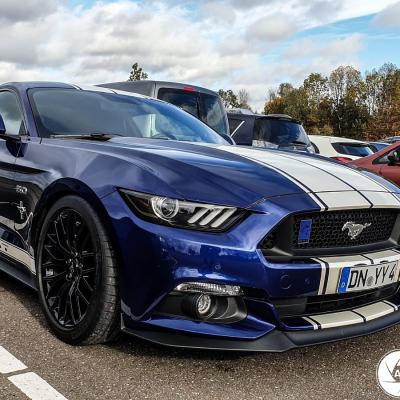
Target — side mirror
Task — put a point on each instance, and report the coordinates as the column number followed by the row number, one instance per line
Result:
column 4, row 135
column 2, row 126
column 393, row 157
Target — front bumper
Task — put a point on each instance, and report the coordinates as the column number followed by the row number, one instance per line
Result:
column 155, row 259
column 275, row 341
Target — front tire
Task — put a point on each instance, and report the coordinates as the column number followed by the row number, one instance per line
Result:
column 77, row 274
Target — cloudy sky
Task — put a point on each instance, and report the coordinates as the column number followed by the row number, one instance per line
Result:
column 252, row 44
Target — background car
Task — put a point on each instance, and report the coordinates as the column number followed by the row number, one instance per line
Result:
column 204, row 104
column 392, row 139
column 339, row 148
column 385, row 162
column 376, row 146
column 276, row 131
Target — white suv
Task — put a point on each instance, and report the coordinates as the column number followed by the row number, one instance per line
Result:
column 339, row 148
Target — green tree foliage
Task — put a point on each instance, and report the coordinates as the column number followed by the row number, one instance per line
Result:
column 235, row 100
column 137, row 73
column 345, row 103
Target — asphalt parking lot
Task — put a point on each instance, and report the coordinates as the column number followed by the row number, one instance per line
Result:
column 133, row 369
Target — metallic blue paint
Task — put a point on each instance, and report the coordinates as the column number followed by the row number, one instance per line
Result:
column 154, row 259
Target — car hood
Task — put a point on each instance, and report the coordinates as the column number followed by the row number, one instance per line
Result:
column 243, row 176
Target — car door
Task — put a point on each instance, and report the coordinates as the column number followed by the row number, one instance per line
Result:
column 12, row 247
column 388, row 170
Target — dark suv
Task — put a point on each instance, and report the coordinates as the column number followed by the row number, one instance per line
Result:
column 276, row 131
column 203, row 103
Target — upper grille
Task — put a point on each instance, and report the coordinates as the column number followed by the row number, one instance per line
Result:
column 327, row 228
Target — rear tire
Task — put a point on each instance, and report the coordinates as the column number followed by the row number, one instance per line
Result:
column 77, row 275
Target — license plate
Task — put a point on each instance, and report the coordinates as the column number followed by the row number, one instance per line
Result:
column 353, row 279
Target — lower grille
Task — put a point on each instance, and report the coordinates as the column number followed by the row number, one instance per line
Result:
column 335, row 302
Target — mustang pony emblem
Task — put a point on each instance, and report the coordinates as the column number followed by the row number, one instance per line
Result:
column 354, row 229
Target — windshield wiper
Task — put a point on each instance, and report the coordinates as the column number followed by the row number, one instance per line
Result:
column 299, row 142
column 87, row 136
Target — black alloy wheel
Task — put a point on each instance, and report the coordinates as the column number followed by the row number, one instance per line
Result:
column 77, row 274
column 68, row 268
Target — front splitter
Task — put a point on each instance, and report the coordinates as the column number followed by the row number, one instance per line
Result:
column 275, row 341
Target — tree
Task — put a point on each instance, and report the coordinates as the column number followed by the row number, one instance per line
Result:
column 344, row 104
column 276, row 105
column 318, row 104
column 284, row 89
column 373, row 87
column 137, row 73
column 229, row 98
column 243, row 99
column 385, row 119
column 348, row 95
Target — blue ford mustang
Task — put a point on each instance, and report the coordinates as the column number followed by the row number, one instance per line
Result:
column 126, row 213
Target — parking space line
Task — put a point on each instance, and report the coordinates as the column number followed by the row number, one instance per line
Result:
column 35, row 387
column 8, row 363
column 29, row 383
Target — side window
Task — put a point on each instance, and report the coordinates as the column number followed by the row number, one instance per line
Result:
column 233, row 124
column 384, row 158
column 11, row 113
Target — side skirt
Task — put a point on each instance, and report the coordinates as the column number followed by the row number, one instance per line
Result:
column 18, row 272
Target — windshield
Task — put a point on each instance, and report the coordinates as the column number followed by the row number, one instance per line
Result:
column 353, row 149
column 378, row 146
column 206, row 107
column 74, row 112
column 279, row 133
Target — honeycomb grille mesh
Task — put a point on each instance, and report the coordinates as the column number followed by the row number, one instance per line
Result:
column 327, row 228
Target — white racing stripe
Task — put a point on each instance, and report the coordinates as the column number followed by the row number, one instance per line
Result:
column 382, row 199
column 294, row 180
column 356, row 316
column 313, row 323
column 8, row 363
column 375, row 310
column 333, row 320
column 18, row 254
column 322, row 278
column 336, row 186
column 342, row 172
column 35, row 387
column 313, row 178
column 344, row 200
column 391, row 304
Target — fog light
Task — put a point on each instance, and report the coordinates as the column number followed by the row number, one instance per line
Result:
column 199, row 306
column 203, row 304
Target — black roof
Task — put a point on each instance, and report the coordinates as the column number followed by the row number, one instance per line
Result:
column 129, row 85
column 263, row 116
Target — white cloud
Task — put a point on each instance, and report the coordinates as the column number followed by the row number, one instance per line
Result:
column 338, row 49
column 389, row 17
column 219, row 43
column 271, row 28
column 26, row 10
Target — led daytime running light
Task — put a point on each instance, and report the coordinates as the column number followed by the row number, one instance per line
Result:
column 209, row 288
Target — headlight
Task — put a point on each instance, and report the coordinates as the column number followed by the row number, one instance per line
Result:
column 182, row 214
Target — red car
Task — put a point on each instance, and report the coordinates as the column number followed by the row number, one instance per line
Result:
column 385, row 162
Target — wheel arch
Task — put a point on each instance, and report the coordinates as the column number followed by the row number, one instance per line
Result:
column 64, row 187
